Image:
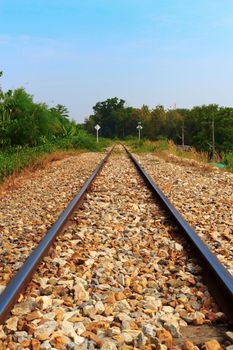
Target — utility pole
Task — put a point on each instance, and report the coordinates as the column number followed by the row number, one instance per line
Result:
column 213, row 138
column 182, row 128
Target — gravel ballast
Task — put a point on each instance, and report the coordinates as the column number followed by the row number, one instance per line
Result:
column 118, row 278
column 26, row 213
column 204, row 198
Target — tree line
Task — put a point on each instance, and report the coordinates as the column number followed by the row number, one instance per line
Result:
column 197, row 127
column 26, row 123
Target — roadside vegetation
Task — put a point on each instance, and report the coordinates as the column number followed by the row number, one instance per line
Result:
column 29, row 131
column 228, row 160
column 207, row 129
column 147, row 146
column 167, row 150
column 14, row 159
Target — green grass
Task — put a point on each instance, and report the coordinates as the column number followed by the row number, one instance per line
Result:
column 146, row 146
column 86, row 141
column 15, row 159
column 228, row 161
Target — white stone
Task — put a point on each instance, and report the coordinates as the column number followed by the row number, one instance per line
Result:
column 122, row 306
column 71, row 314
column 79, row 328
column 46, row 345
column 80, row 294
column 44, row 331
column 168, row 309
column 11, row 323
column 68, row 329
column 21, row 336
column 89, row 310
column 44, row 302
column 99, row 306
column 43, row 282
column 152, row 303
column 23, row 308
column 123, row 317
column 49, row 316
column 2, row 287
column 130, row 335
column 178, row 247
column 114, row 331
column 108, row 345
column 89, row 262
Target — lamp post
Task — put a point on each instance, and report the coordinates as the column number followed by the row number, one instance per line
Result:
column 139, row 127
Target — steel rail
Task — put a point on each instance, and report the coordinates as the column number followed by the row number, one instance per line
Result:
column 218, row 279
column 10, row 295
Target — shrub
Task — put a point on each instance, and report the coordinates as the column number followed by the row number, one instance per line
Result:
column 14, row 159
column 228, row 160
column 146, row 146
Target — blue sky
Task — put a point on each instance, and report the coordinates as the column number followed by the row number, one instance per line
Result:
column 79, row 52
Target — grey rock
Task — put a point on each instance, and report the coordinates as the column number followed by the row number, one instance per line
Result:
column 173, row 328
column 149, row 330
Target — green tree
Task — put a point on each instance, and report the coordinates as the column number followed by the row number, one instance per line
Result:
column 23, row 122
column 157, row 123
column 107, row 115
column 173, row 125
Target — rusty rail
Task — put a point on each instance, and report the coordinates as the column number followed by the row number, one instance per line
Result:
column 218, row 279
column 10, row 295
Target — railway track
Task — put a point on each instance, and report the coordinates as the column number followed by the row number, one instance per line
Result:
column 204, row 198
column 121, row 274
